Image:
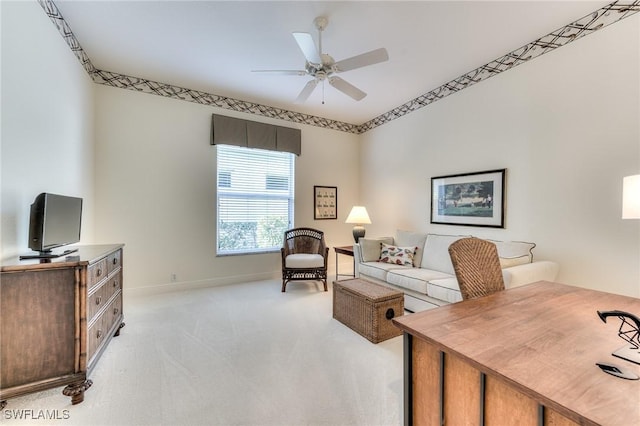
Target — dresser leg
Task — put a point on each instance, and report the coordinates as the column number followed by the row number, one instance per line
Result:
column 76, row 391
column 117, row 333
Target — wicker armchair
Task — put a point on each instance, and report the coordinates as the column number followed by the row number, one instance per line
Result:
column 477, row 267
column 304, row 256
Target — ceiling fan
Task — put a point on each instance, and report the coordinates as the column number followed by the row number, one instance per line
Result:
column 323, row 67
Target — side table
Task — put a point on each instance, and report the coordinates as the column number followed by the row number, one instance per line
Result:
column 348, row 251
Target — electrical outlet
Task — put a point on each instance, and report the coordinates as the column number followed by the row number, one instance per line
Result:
column 174, row 278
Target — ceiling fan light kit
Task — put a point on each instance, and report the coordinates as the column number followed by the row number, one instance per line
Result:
column 322, row 66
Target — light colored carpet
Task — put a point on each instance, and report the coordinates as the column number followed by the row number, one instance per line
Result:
column 242, row 354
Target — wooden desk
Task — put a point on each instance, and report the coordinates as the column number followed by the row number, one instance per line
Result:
column 348, row 251
column 526, row 354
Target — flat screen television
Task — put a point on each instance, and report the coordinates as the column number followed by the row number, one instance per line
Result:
column 54, row 222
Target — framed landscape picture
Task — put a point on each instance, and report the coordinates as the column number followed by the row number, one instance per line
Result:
column 325, row 200
column 470, row 199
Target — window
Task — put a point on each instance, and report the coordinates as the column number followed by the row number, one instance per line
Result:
column 255, row 199
column 277, row 182
column 224, row 179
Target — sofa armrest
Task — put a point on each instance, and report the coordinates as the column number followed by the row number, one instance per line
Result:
column 543, row 270
column 357, row 253
column 364, row 252
column 357, row 259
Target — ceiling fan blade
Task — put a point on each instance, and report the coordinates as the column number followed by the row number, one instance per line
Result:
column 283, row 72
column 358, row 61
column 347, row 88
column 305, row 42
column 306, row 91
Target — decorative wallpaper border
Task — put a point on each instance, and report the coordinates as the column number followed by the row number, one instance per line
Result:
column 65, row 30
column 597, row 20
column 175, row 92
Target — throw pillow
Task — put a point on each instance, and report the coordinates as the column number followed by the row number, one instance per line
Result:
column 397, row 255
column 513, row 253
column 508, row 262
column 408, row 239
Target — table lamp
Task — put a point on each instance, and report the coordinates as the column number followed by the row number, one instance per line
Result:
column 360, row 217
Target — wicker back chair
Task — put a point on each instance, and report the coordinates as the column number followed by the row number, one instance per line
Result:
column 304, row 256
column 477, row 267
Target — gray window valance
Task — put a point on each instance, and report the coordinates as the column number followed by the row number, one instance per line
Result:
column 251, row 134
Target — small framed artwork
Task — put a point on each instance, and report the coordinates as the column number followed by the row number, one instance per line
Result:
column 470, row 199
column 325, row 199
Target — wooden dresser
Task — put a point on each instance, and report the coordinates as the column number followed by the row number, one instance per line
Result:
column 524, row 356
column 56, row 319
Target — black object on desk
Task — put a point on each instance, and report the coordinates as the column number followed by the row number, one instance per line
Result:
column 614, row 370
column 629, row 331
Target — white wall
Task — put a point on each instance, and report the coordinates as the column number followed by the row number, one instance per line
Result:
column 155, row 189
column 47, row 122
column 566, row 127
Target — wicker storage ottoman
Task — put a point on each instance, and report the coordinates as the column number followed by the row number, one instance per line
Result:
column 367, row 308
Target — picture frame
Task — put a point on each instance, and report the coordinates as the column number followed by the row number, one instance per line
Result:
column 325, row 202
column 469, row 199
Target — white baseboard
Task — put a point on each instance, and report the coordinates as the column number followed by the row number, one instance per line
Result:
column 189, row 285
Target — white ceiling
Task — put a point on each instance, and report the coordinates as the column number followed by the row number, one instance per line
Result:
column 213, row 46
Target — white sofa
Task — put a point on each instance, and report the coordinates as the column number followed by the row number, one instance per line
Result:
column 429, row 280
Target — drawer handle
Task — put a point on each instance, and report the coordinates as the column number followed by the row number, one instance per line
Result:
column 115, row 260
column 115, row 283
column 99, row 334
column 99, row 272
column 115, row 311
column 98, row 300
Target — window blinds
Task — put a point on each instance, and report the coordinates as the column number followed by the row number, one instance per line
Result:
column 255, row 195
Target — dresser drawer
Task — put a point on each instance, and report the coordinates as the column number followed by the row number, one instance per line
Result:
column 96, row 301
column 100, row 296
column 115, row 310
column 99, row 331
column 96, row 334
column 97, row 272
column 114, row 261
column 114, row 284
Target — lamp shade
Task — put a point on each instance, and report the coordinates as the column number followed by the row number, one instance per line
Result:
column 358, row 215
column 631, row 197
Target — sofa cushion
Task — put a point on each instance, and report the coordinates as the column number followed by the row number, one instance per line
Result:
column 378, row 269
column 415, row 279
column 436, row 252
column 371, row 247
column 446, row 289
column 412, row 239
column 304, row 260
column 397, row 255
